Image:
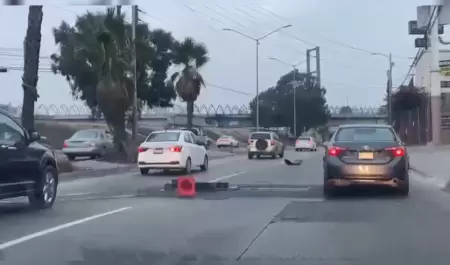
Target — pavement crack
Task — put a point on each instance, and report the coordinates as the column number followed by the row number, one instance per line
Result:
column 255, row 238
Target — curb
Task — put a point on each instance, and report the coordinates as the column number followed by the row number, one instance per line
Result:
column 92, row 173
column 420, row 172
column 446, row 185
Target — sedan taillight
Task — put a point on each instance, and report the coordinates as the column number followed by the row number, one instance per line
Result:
column 141, row 149
column 175, row 149
column 65, row 144
column 335, row 150
column 396, row 151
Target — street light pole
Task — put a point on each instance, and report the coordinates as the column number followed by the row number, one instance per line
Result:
column 257, row 40
column 389, row 88
column 294, row 86
column 257, row 85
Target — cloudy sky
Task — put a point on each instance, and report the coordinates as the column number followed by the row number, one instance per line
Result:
column 347, row 31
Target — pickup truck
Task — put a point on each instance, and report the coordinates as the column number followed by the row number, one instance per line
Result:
column 200, row 134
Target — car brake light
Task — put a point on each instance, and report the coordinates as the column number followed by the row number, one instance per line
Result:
column 175, row 149
column 65, row 144
column 272, row 142
column 335, row 150
column 297, row 142
column 141, row 149
column 396, row 151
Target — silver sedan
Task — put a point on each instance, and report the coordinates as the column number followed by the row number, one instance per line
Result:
column 92, row 142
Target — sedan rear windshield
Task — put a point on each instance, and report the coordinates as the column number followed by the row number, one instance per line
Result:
column 85, row 135
column 361, row 134
column 163, row 137
column 263, row 136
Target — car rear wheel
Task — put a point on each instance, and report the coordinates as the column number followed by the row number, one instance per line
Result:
column 250, row 156
column 188, row 166
column 45, row 189
column 403, row 190
column 274, row 156
column 144, row 171
column 205, row 165
column 71, row 157
column 282, row 154
column 329, row 191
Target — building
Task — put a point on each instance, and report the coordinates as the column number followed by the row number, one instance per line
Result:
column 422, row 79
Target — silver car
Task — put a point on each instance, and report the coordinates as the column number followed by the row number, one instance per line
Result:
column 91, row 142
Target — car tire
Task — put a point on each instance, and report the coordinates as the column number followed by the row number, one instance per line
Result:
column 144, row 171
column 71, row 158
column 403, row 190
column 205, row 165
column 329, row 191
column 250, row 156
column 188, row 166
column 282, row 154
column 274, row 156
column 44, row 194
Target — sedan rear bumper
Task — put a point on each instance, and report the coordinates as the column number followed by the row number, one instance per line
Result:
column 393, row 173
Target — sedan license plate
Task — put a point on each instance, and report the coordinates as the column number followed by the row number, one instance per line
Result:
column 158, row 151
column 365, row 155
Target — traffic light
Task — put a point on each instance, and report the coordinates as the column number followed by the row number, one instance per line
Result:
column 3, row 70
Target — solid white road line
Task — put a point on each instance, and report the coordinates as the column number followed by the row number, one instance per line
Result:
column 226, row 177
column 57, row 228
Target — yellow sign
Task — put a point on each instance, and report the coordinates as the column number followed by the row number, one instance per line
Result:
column 445, row 71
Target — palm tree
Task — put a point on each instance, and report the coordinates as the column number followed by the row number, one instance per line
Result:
column 32, row 47
column 191, row 55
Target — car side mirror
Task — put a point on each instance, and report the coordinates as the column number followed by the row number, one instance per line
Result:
column 35, row 136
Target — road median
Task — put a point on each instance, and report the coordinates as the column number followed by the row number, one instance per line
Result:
column 70, row 170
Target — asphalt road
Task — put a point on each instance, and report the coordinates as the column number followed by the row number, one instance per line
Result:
column 278, row 217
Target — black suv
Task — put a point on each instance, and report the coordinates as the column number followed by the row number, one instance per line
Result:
column 27, row 168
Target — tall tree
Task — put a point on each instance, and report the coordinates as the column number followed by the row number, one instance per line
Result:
column 32, row 47
column 191, row 56
column 95, row 58
column 277, row 104
column 345, row 110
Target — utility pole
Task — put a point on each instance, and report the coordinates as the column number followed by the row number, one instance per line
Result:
column 389, row 94
column 435, row 79
column 294, row 80
column 134, row 17
column 319, row 80
column 309, row 73
column 294, row 87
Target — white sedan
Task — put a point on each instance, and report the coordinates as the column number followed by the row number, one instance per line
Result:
column 227, row 141
column 171, row 149
column 305, row 143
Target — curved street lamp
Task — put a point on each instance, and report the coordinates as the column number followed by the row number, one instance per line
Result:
column 257, row 40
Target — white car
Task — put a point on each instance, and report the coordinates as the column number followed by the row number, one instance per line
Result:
column 305, row 143
column 171, row 149
column 226, row 140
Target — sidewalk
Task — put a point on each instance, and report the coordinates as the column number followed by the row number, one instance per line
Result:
column 432, row 163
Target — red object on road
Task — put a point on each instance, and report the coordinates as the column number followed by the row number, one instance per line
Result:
column 186, row 187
